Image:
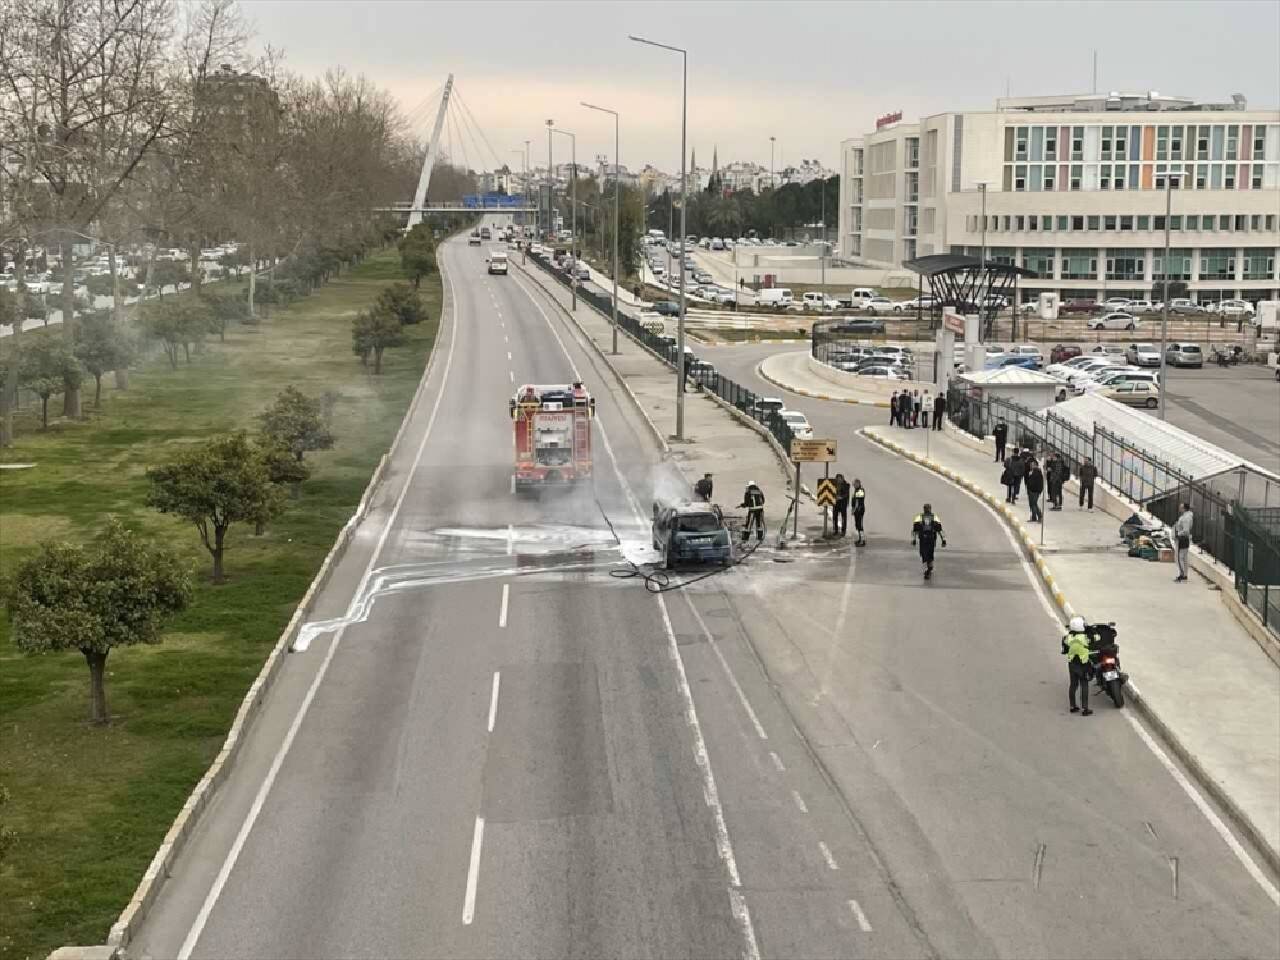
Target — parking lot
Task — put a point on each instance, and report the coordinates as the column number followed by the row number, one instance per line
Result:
column 1237, row 408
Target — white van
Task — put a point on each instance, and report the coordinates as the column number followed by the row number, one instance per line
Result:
column 860, row 295
column 497, row 261
column 775, row 297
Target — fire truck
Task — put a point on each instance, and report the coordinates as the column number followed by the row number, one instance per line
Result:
column 552, row 434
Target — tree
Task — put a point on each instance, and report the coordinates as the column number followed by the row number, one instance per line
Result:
column 418, row 254
column 102, row 285
column 116, row 594
column 102, row 346
column 46, row 366
column 214, row 486
column 296, row 422
column 7, row 837
column 284, row 469
column 181, row 322
column 403, row 302
column 169, row 273
column 372, row 331
column 222, row 310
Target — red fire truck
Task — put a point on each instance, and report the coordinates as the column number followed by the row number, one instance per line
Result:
column 552, row 434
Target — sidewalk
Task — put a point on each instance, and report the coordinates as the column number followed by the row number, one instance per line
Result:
column 715, row 439
column 1202, row 678
column 791, row 371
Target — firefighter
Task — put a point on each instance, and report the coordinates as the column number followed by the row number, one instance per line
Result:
column 702, row 489
column 753, row 500
column 926, row 530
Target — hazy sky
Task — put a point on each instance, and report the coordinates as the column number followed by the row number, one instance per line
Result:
column 807, row 73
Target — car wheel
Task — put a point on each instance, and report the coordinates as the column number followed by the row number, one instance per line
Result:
column 1131, row 327
column 1151, row 403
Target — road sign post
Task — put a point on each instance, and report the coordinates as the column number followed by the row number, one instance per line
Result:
column 826, row 497
column 809, row 451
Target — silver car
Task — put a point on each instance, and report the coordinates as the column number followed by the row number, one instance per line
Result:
column 1185, row 355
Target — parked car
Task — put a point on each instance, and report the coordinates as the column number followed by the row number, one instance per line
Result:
column 883, row 372
column 1078, row 305
column 1184, row 305
column 1062, row 352
column 1143, row 354
column 703, row 277
column 878, row 305
column 1117, row 320
column 1106, row 381
column 1136, row 393
column 1141, row 306
column 765, row 407
column 1110, row 351
column 1060, row 370
column 798, row 423
column 1011, row 360
column 1184, row 355
column 915, row 304
column 667, row 308
column 1079, row 384
column 1113, row 304
column 858, row 325
column 819, row 301
column 1028, row 350
column 1235, row 308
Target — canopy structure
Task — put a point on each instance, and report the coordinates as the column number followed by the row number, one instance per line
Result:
column 968, row 284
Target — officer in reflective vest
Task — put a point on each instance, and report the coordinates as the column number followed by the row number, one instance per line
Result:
column 926, row 529
column 859, row 497
column 1076, row 647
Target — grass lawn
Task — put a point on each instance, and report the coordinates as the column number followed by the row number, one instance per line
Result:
column 90, row 805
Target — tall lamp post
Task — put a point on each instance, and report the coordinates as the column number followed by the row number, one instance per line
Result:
column 982, row 257
column 573, row 211
column 684, row 185
column 773, row 183
column 551, row 184
column 525, row 183
column 617, row 215
column 1169, row 177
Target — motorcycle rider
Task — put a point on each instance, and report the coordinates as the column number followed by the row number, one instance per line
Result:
column 1075, row 645
column 926, row 529
column 753, row 501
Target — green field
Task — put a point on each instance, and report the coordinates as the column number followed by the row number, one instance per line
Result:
column 90, row 805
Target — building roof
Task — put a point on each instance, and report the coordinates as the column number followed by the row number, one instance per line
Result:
column 1010, row 376
column 1181, row 450
column 936, row 263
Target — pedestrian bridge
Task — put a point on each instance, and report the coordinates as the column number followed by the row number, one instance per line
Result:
column 465, row 205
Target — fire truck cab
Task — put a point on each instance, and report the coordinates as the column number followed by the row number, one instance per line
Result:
column 552, row 433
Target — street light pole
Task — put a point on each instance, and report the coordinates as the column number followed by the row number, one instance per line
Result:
column 617, row 215
column 684, row 206
column 550, row 224
column 982, row 257
column 525, row 181
column 1169, row 177
column 773, row 183
column 573, row 212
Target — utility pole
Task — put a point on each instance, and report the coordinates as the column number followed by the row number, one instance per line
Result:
column 1169, row 177
column 617, row 210
column 551, row 220
column 573, row 212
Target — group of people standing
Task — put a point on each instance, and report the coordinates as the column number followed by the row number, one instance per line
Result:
column 910, row 408
column 840, row 514
column 1022, row 470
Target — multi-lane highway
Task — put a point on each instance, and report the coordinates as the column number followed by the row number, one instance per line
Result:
column 510, row 753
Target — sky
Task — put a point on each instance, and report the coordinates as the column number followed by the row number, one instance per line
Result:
column 808, row 74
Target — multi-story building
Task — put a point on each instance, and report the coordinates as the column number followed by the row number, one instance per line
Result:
column 806, row 172
column 1073, row 189
column 237, row 107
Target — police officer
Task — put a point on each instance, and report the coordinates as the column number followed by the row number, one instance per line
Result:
column 859, row 496
column 703, row 488
column 926, row 530
column 753, row 500
column 1076, row 647
column 840, row 515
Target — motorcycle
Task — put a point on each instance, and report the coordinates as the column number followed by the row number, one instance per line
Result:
column 1104, row 659
column 1226, row 358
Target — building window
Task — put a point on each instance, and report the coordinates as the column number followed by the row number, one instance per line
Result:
column 1157, row 223
column 1217, row 264
column 1202, row 143
column 1175, row 143
column 1077, row 143
column 1037, row 144
column 1077, row 171
column 1063, row 223
column 1179, row 265
column 1259, row 265
column 1125, row 264
column 1039, row 261
column 1239, row 224
column 1162, row 143
column 1271, row 222
column 1050, row 172
column 1233, row 141
column 1133, row 176
column 1077, row 223
column 1034, row 182
column 1079, row 266
column 1144, row 222
column 1109, row 222
column 1215, row 149
column 1020, row 177
column 1210, row 222
column 1020, row 144
column 1020, row 223
column 1255, row 222
column 1259, row 141
column 1095, row 222
column 1033, row 223
column 1105, row 181
column 1193, row 222
column 1126, row 222
column 1051, row 143
column 1255, row 176
column 1229, row 176
column 1120, row 142
column 1224, row 222
column 1008, row 223
column 1008, row 144
column 1215, row 176
column 1202, row 175
column 1175, row 222
column 1106, row 143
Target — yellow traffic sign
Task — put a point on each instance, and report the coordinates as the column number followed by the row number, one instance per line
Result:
column 826, row 492
column 813, row 451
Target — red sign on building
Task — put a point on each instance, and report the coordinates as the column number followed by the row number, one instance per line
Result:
column 887, row 119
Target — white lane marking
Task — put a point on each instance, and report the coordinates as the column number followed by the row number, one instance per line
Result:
column 512, row 375
column 508, row 354
column 777, row 762
column 473, row 873
column 799, row 801
column 724, row 846
column 502, row 613
column 493, row 699
column 1241, row 854
column 229, row 862
column 826, row 855
column 511, row 531
column 733, row 681
column 513, row 484
column 863, row 923
column 1209, row 813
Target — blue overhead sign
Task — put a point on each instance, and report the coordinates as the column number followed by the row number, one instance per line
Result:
column 488, row 201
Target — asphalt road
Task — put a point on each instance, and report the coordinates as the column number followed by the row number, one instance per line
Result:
column 512, row 753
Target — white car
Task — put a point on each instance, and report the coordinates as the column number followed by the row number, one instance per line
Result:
column 995, row 353
column 1140, row 306
column 884, row 372
column 798, row 423
column 1060, row 370
column 1112, row 351
column 1235, row 308
column 878, row 305
column 1027, row 350
column 915, row 304
column 1143, row 354
column 819, row 301
column 1118, row 320
column 1111, row 379
column 1089, row 369
column 1114, row 303
column 1080, row 384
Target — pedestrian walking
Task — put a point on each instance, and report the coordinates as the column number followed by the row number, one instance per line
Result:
column 840, row 515
column 1035, row 487
column 1088, row 474
column 1017, row 468
column 893, row 408
column 1056, row 474
column 703, row 488
column 915, row 408
column 926, row 404
column 1182, row 540
column 753, row 501
column 859, row 496
column 939, row 408
column 1001, row 433
column 1075, row 645
column 904, row 409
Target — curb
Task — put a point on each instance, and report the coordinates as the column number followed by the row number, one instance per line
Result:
column 1243, row 822
column 635, row 401
column 175, row 839
column 817, row 396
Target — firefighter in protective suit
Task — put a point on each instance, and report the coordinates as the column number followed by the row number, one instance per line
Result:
column 926, row 529
column 753, row 500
